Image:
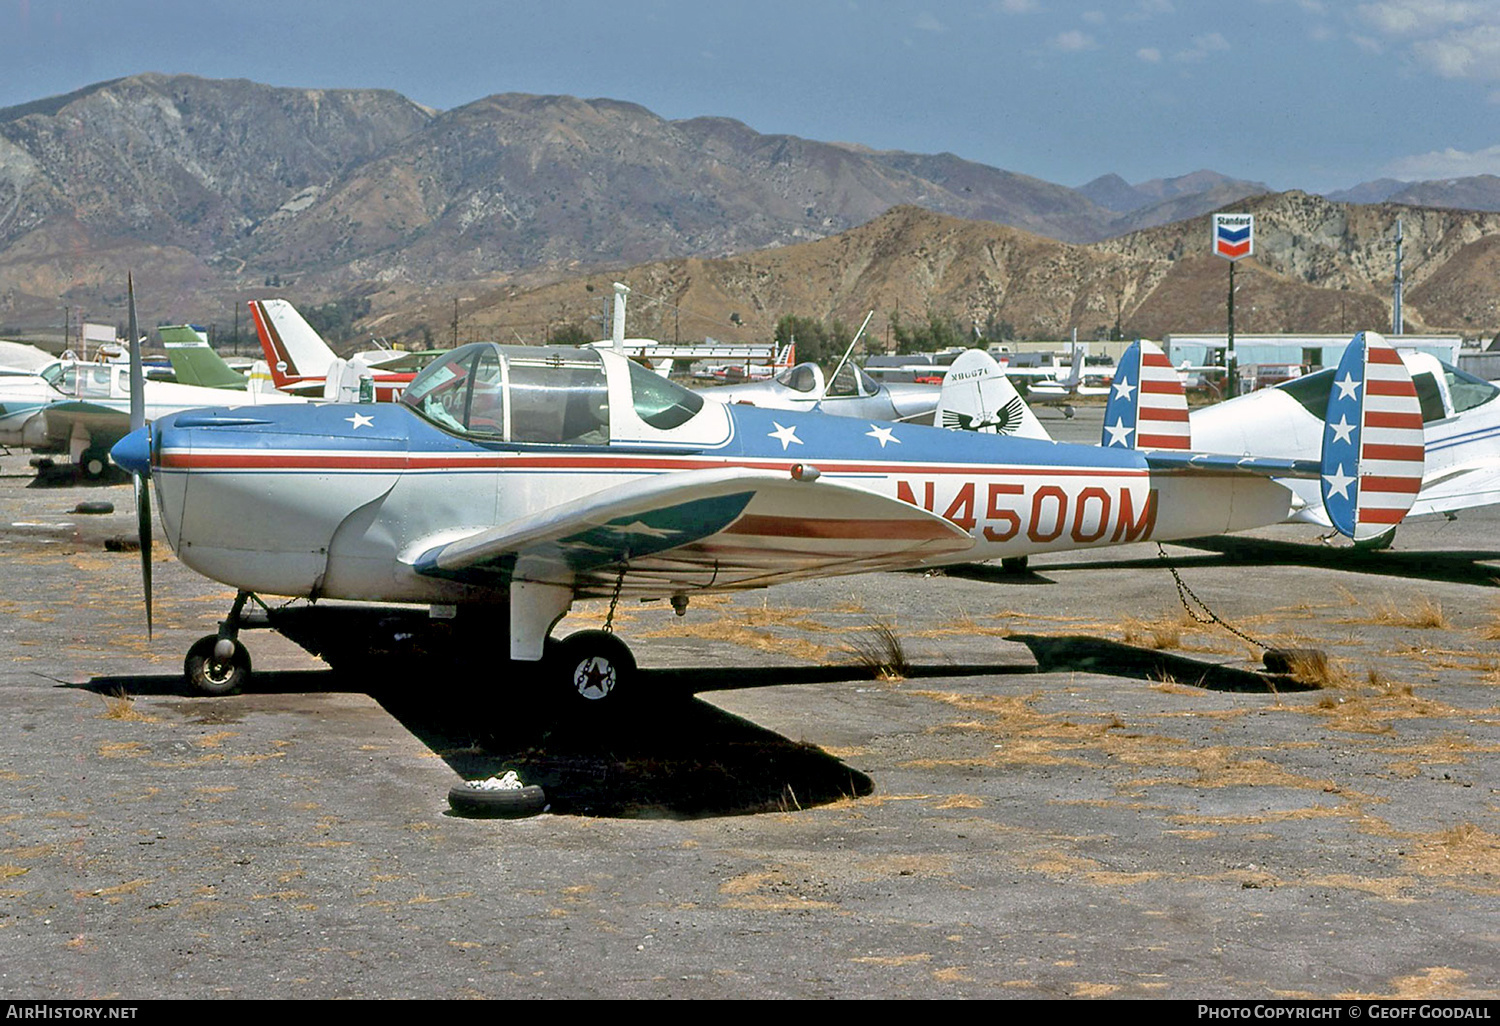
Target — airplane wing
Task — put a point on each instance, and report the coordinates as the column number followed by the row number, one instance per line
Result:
column 103, row 423
column 728, row 527
column 1464, row 487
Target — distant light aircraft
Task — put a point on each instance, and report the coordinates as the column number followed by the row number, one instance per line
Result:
column 510, row 481
column 83, row 408
column 301, row 362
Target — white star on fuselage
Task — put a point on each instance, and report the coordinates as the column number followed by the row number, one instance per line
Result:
column 1339, row 482
column 359, row 420
column 1343, row 431
column 1348, row 387
column 1123, row 389
column 1119, row 434
column 787, row 436
column 882, row 435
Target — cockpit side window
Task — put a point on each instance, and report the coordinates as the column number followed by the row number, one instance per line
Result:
column 661, row 403
column 799, row 378
column 1430, row 397
column 441, row 392
column 562, row 397
column 1466, row 390
column 486, row 406
column 845, row 382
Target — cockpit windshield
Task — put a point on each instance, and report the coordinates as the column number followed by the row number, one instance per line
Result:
column 516, row 394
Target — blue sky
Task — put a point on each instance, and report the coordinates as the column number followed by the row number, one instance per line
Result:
column 1311, row 94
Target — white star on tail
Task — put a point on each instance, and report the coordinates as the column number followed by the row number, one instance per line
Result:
column 1119, row 434
column 1123, row 389
column 882, row 435
column 1348, row 387
column 1343, row 430
column 787, row 436
column 1339, row 482
column 359, row 420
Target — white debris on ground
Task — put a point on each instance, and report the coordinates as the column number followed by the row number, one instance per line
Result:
column 509, row 782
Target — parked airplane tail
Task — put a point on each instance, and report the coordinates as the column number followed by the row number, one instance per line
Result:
column 977, row 396
column 293, row 349
column 194, row 361
column 1375, row 431
column 1373, row 450
column 1147, row 406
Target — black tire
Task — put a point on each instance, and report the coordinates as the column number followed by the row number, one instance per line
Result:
column 1068, row 412
column 1014, row 564
column 93, row 463
column 594, row 670
column 469, row 801
column 207, row 676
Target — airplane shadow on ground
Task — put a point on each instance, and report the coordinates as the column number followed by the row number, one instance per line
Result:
column 1083, row 654
column 1466, row 566
column 670, row 756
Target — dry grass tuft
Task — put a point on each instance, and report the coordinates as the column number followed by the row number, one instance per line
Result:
column 1313, row 668
column 879, row 650
column 1420, row 611
column 1158, row 633
column 120, row 706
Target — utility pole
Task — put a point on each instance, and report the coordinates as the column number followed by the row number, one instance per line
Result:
column 455, row 322
column 1396, row 318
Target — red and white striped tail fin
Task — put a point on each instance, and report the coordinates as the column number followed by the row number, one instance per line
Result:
column 1147, row 406
column 1374, row 446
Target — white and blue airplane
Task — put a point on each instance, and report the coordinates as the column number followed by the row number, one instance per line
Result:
column 510, row 481
column 1457, row 423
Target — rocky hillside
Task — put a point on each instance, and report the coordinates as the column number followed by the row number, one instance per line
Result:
column 1320, row 267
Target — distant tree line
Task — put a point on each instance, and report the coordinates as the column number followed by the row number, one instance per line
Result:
column 335, row 320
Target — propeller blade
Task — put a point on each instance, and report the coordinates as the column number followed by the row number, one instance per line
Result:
column 143, row 530
column 137, row 421
column 137, row 371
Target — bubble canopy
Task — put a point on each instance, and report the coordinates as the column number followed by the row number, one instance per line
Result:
column 540, row 394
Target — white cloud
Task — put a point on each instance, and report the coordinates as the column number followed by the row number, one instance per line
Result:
column 1018, row 6
column 1211, row 42
column 1093, row 17
column 1455, row 39
column 1421, row 17
column 1073, row 40
column 1449, row 163
column 927, row 23
column 1149, row 54
column 1471, row 53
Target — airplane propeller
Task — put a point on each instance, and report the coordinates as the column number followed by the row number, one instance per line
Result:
column 141, row 478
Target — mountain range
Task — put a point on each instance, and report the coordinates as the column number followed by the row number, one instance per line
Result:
column 215, row 191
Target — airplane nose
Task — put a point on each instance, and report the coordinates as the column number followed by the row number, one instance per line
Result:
column 133, row 452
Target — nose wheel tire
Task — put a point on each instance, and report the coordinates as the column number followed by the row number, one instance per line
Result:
column 208, row 675
column 596, row 669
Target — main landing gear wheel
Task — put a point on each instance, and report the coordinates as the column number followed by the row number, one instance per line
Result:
column 209, row 675
column 596, row 668
column 1067, row 412
column 93, row 463
column 1014, row 564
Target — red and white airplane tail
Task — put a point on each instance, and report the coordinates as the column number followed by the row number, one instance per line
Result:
column 301, row 363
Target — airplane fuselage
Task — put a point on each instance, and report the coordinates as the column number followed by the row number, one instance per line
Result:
column 339, row 501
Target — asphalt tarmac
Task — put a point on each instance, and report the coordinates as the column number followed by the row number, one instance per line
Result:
column 1072, row 790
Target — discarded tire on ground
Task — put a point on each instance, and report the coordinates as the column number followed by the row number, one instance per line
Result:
column 504, row 803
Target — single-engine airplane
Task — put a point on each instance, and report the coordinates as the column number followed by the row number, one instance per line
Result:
column 510, row 481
